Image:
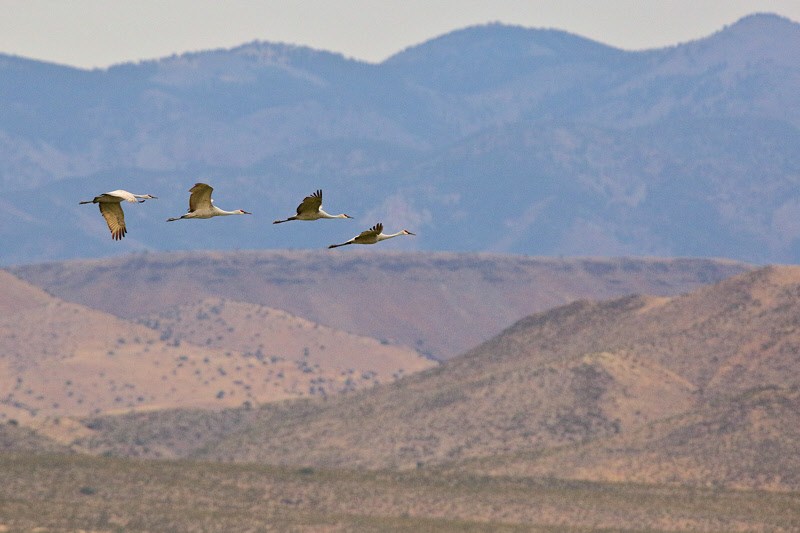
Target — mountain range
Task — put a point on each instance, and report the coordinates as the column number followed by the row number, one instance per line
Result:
column 211, row 330
column 492, row 138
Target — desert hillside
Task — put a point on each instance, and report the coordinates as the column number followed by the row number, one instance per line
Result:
column 62, row 359
column 699, row 389
column 440, row 304
column 741, row 333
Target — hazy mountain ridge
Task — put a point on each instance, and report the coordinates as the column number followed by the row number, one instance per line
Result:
column 589, row 150
column 440, row 304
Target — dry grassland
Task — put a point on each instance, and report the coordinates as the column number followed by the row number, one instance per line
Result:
column 70, row 493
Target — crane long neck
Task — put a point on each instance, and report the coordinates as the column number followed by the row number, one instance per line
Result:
column 323, row 214
column 383, row 236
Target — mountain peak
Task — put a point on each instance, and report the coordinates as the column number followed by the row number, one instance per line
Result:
column 507, row 41
column 758, row 22
column 754, row 38
column 509, row 53
column 762, row 27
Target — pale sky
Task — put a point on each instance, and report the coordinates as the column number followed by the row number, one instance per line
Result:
column 99, row 33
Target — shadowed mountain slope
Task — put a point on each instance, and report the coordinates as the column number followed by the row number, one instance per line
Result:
column 18, row 439
column 746, row 441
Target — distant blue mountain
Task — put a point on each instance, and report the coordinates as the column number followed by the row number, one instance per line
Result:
column 495, row 137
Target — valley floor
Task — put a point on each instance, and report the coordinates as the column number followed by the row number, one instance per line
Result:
column 69, row 493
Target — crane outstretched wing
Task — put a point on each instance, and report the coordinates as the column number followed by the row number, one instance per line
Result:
column 377, row 229
column 201, row 197
column 112, row 212
column 311, row 204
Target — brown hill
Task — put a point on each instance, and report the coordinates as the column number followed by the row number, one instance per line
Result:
column 65, row 359
column 62, row 359
column 438, row 303
column 738, row 334
column 698, row 388
column 438, row 416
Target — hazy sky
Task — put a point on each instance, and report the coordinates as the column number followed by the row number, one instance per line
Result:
column 98, row 33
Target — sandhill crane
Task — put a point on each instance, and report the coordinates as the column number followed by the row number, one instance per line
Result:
column 371, row 236
column 202, row 206
column 311, row 209
column 111, row 209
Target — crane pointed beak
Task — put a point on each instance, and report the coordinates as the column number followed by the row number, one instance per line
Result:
column 347, row 216
column 409, row 233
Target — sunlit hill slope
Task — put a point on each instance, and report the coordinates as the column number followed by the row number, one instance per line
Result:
column 60, row 359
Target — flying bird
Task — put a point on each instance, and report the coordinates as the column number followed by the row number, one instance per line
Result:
column 202, row 206
column 371, row 236
column 111, row 209
column 311, row 209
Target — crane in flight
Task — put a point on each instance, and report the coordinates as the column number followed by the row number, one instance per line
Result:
column 311, row 209
column 371, row 236
column 202, row 206
column 111, row 209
